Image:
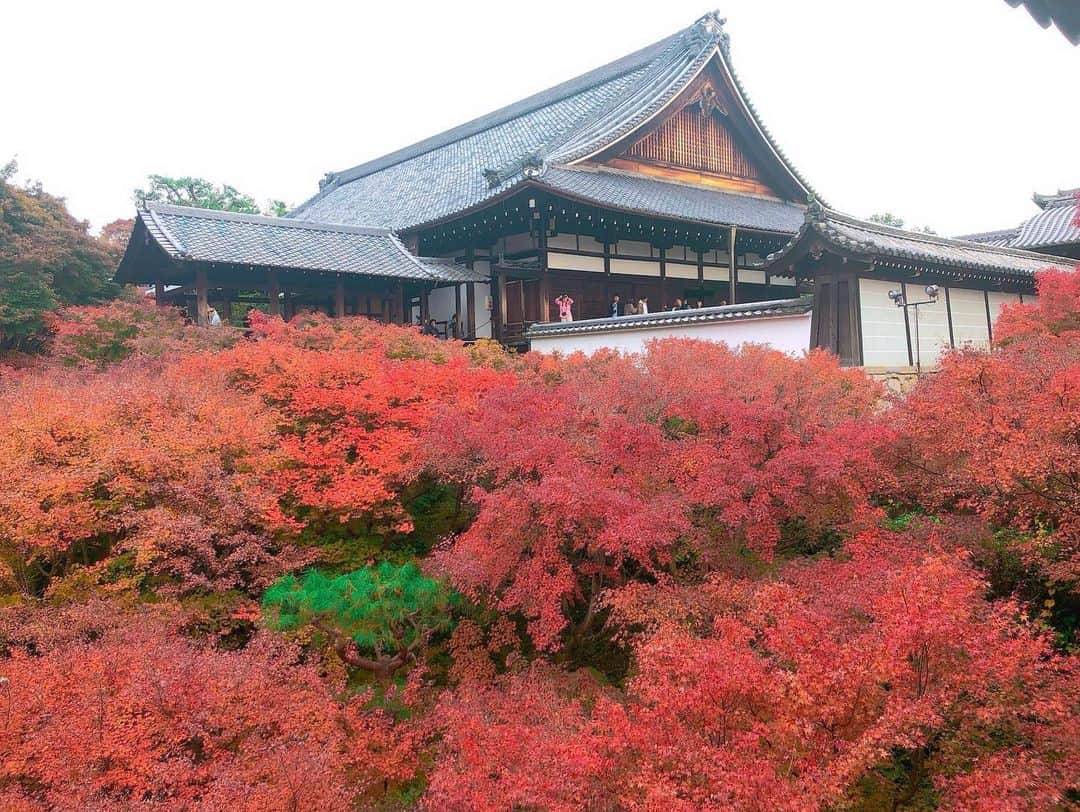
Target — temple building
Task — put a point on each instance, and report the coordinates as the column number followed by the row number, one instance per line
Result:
column 652, row 179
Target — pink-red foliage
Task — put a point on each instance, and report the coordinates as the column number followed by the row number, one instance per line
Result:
column 997, row 432
column 785, row 695
column 140, row 717
column 588, row 472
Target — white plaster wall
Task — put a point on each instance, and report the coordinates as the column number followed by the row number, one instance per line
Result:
column 997, row 300
column 677, row 270
column 884, row 339
column 571, row 262
column 790, row 334
column 441, row 303
column 968, row 318
column 481, row 312
column 635, row 267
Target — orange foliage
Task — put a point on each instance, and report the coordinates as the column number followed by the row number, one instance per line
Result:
column 159, row 462
column 352, row 397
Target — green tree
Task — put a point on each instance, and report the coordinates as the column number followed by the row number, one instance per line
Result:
column 377, row 618
column 47, row 259
column 202, row 194
column 887, row 219
column 890, row 219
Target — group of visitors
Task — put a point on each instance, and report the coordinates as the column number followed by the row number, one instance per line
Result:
column 641, row 307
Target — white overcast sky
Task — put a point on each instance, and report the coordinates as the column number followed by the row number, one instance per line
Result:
column 950, row 113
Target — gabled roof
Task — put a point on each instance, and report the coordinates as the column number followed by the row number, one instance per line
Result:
column 462, row 168
column 203, row 235
column 852, row 238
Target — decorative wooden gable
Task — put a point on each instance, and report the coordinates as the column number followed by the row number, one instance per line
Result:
column 697, row 137
column 697, row 143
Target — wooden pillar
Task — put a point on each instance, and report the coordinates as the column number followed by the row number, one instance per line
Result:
column 457, row 311
column 607, row 272
column 273, row 294
column 226, row 306
column 470, row 313
column 423, row 305
column 663, row 279
column 500, row 308
column 545, row 277
column 359, row 306
column 201, row 303
column 339, row 298
column 159, row 292
column 733, row 272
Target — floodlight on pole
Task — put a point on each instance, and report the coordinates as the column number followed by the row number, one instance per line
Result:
column 900, row 300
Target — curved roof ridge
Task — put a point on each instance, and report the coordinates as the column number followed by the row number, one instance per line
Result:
column 559, row 92
column 650, row 96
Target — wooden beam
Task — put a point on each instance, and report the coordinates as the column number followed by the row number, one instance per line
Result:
column 201, row 303
column 339, row 298
column 159, row 292
column 273, row 293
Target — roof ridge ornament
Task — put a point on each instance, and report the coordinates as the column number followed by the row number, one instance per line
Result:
column 815, row 212
column 709, row 29
column 530, row 165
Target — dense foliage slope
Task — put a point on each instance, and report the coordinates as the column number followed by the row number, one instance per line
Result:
column 336, row 564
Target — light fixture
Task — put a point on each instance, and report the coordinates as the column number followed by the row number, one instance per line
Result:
column 932, row 291
column 897, row 297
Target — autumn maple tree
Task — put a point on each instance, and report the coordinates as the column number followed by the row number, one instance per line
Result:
column 591, row 472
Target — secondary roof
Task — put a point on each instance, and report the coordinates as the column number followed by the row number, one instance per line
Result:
column 825, row 229
column 1056, row 226
column 204, row 235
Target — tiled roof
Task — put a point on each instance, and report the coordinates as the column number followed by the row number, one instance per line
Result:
column 850, row 236
column 1065, row 14
column 1056, row 224
column 660, row 198
column 468, row 165
column 999, row 239
column 204, row 235
column 701, row 315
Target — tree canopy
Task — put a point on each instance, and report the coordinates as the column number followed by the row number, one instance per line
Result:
column 47, row 258
column 203, row 194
